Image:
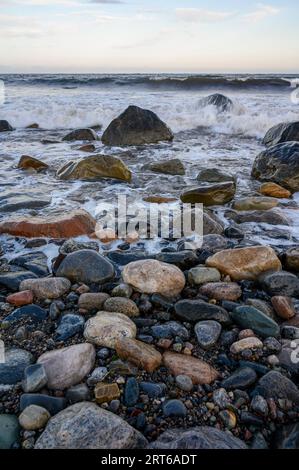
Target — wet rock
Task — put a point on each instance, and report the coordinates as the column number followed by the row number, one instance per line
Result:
column 283, row 306
column 292, row 259
column 35, row 378
column 202, row 274
column 9, row 428
column 16, row 361
column 199, row 371
column 207, row 333
column 167, row 167
column 121, row 305
column 136, row 126
column 287, row 437
column 288, row 357
column 106, row 328
column 78, row 393
column 31, row 163
column 261, row 324
column 16, row 201
column 213, row 175
column 201, row 437
column 5, row 126
column 81, row 134
column 141, row 354
column 212, row 195
column 259, row 405
column 274, row 190
column 234, row 232
column 281, row 284
column 86, row 266
column 221, row 290
column 275, row 385
column 182, row 259
column 221, row 398
column 73, row 224
column 131, row 392
column 174, row 408
column 228, row 418
column 92, row 301
column 95, row 167
column 20, row 298
column 222, row 102
column 184, row 383
column 211, row 225
column 240, row 379
column 52, row 404
column 69, row 326
column 47, row 288
column 254, row 203
column 151, row 276
column 34, row 417
column 153, row 390
column 170, row 330
column 245, row 263
column 71, row 245
column 283, row 132
column 279, row 164
column 122, row 290
column 36, row 262
column 67, row 366
column 105, row 392
column 198, row 310
column 87, row 148
column 246, row 343
column 87, row 426
column 33, row 312
column 272, row 217
column 12, row 280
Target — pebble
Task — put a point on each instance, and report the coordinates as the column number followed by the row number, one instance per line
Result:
column 221, row 398
column 121, row 305
column 35, row 378
column 34, row 417
column 207, row 333
column 141, row 354
column 197, row 310
column 106, row 328
column 275, row 385
column 228, row 418
column 77, row 393
column 16, row 361
column 259, row 405
column 174, row 408
column 281, row 283
column 246, row 334
column 105, row 392
column 170, row 330
column 153, row 390
column 32, row 312
column 246, row 343
column 184, row 383
column 97, row 375
column 69, row 326
column 199, row 371
column 222, row 290
column 242, row 379
column 283, row 306
column 131, row 392
column 259, row 322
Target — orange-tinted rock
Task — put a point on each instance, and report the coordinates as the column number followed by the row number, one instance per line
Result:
column 245, row 263
column 104, row 392
column 34, row 125
column 106, row 235
column 31, row 163
column 69, row 225
column 199, row 371
column 283, row 306
column 141, row 354
column 20, row 298
column 274, row 190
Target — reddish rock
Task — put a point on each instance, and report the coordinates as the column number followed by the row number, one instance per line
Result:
column 73, row 224
column 31, row 163
column 283, row 306
column 246, row 334
column 20, row 298
column 221, row 290
column 199, row 371
column 141, row 354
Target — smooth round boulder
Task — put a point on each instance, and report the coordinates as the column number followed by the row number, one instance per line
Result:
column 167, row 167
column 95, row 167
column 136, row 126
column 34, row 417
column 106, row 328
column 81, row 134
column 87, row 426
column 221, row 290
column 86, row 266
column 216, row 194
column 152, row 276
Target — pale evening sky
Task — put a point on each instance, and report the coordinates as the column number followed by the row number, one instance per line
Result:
column 149, row 36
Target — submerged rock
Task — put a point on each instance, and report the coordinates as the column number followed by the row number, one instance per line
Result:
column 95, row 167
column 283, row 132
column 87, row 426
column 212, row 195
column 279, row 164
column 136, row 126
column 30, row 163
column 73, row 224
column 81, row 134
column 222, row 102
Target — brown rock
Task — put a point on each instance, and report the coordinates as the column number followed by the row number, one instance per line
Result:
column 212, row 195
column 106, row 328
column 141, row 354
column 254, row 203
column 274, row 190
column 221, row 290
column 245, row 263
column 283, row 306
column 31, row 163
column 246, row 343
column 292, row 259
column 90, row 301
column 121, row 305
column 104, row 392
column 20, row 298
column 199, row 371
column 87, row 148
column 159, row 199
column 69, row 225
column 151, row 276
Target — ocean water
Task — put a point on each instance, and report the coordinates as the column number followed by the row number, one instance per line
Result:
column 204, row 138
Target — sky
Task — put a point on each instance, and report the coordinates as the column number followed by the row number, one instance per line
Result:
column 124, row 36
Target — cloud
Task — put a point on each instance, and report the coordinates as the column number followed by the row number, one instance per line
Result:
column 199, row 15
column 15, row 26
column 107, row 2
column 262, row 12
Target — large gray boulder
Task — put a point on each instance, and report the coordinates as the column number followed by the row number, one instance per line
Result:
column 136, row 126
column 87, row 426
column 95, row 167
column 279, row 164
column 81, row 134
column 283, row 132
column 223, row 103
column 5, row 126
column 201, row 437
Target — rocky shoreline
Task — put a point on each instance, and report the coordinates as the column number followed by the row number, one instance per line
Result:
column 178, row 349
